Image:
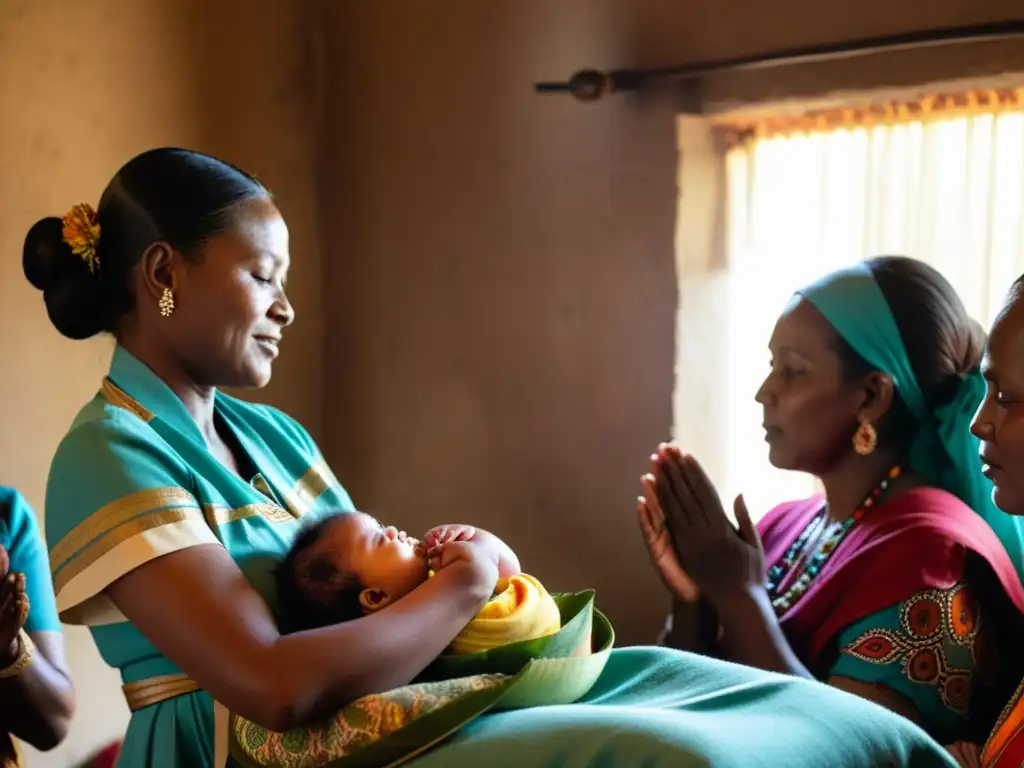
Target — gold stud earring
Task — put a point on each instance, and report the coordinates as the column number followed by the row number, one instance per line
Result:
column 865, row 439
column 166, row 303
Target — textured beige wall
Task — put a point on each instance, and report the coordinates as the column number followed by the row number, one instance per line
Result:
column 502, row 343
column 503, row 347
column 83, row 87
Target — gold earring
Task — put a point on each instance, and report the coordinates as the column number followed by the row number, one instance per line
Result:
column 166, row 303
column 865, row 439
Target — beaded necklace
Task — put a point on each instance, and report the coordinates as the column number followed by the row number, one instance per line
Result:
column 834, row 534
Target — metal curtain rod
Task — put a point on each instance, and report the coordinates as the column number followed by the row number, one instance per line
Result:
column 592, row 84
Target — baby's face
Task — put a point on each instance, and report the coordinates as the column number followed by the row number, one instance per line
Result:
column 378, row 558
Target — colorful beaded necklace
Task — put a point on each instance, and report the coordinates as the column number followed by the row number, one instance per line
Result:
column 834, row 534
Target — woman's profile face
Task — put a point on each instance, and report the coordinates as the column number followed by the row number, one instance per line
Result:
column 810, row 411
column 999, row 422
column 230, row 306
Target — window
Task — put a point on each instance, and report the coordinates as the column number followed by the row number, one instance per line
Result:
column 942, row 181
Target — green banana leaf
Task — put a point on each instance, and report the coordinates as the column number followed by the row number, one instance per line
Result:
column 393, row 727
column 576, row 610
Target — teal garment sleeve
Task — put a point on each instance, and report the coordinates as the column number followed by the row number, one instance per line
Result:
column 117, row 497
column 20, row 536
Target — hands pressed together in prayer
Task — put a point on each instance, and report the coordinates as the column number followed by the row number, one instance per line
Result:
column 693, row 545
column 14, row 607
column 714, row 570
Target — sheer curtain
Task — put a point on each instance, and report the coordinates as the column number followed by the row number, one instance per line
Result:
column 947, row 190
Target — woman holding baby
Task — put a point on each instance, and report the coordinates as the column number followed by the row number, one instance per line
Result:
column 169, row 504
column 901, row 584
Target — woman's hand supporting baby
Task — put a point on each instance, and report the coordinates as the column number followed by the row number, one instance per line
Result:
column 439, row 540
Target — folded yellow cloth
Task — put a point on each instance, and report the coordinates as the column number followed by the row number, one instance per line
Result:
column 521, row 609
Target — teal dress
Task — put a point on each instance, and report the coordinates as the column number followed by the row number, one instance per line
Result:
column 133, row 481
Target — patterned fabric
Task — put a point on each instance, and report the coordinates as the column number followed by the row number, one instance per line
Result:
column 923, row 648
column 20, row 537
column 919, row 540
column 360, row 725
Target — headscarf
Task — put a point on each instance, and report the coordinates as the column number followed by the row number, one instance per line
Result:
column 943, row 451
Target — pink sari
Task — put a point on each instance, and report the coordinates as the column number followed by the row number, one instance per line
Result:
column 917, row 540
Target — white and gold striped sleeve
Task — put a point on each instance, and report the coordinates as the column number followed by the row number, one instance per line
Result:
column 117, row 498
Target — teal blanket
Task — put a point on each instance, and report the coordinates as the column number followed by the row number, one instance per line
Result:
column 550, row 704
column 656, row 708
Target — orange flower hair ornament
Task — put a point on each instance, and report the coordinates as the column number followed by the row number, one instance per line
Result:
column 82, row 234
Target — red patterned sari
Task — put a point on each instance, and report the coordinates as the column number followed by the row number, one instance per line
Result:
column 916, row 597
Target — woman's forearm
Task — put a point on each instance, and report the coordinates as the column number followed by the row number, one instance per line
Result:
column 752, row 635
column 36, row 705
column 199, row 610
column 331, row 667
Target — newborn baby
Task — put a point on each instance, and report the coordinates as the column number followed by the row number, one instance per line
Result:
column 347, row 565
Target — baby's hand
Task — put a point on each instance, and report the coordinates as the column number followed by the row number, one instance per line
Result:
column 446, row 534
column 450, row 552
column 474, row 562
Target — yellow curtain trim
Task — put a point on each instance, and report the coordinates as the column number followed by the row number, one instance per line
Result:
column 738, row 129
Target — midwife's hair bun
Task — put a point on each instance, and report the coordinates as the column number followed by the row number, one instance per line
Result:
column 72, row 293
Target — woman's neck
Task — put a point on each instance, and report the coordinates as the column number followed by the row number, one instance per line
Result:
column 850, row 482
column 197, row 399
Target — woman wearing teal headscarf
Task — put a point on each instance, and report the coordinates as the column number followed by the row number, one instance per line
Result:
column 895, row 583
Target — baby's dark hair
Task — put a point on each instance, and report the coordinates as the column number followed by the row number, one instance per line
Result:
column 301, row 575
